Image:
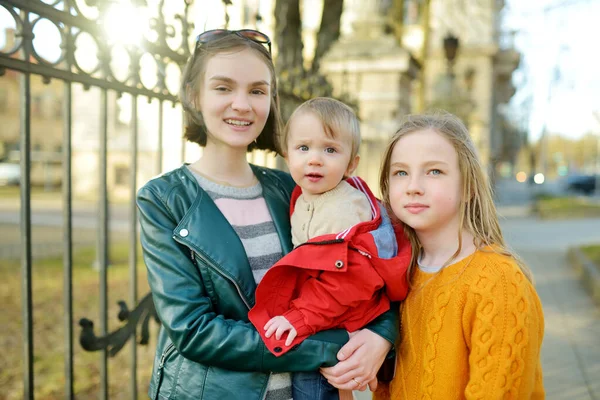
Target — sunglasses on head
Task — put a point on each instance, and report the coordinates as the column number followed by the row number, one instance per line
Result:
column 250, row 34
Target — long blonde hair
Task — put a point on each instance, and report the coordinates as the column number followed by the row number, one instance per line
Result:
column 477, row 215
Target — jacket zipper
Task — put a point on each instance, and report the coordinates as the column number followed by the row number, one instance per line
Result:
column 170, row 348
column 216, row 268
column 332, row 241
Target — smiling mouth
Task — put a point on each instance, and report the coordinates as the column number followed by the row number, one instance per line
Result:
column 236, row 122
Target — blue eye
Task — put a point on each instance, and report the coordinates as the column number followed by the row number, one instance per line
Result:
column 401, row 173
column 330, row 150
column 435, row 172
column 303, row 148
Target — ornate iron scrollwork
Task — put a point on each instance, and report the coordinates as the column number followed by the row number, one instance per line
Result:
column 115, row 341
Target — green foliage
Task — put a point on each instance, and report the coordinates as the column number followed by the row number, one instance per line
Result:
column 566, row 207
column 593, row 253
column 544, row 196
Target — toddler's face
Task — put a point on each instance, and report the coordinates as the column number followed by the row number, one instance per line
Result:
column 316, row 161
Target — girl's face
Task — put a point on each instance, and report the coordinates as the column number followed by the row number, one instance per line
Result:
column 425, row 186
column 235, row 98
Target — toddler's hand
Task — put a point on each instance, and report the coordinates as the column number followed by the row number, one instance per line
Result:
column 279, row 325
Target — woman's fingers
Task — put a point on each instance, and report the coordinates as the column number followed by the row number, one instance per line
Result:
column 373, row 385
column 360, row 360
column 349, row 348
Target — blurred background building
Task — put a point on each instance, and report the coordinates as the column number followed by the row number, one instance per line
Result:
column 386, row 58
column 397, row 57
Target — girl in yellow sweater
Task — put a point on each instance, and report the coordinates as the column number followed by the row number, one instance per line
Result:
column 472, row 324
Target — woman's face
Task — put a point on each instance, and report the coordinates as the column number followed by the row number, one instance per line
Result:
column 235, row 98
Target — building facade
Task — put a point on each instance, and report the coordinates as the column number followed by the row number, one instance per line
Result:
column 479, row 81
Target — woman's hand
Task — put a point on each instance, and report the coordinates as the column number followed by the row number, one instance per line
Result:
column 360, row 360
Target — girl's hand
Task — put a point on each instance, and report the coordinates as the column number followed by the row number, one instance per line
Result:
column 279, row 325
column 360, row 360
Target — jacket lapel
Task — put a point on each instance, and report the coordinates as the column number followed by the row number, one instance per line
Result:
column 278, row 202
column 206, row 231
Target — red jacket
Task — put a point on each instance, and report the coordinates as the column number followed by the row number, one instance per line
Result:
column 342, row 280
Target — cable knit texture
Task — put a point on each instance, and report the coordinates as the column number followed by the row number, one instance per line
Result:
column 472, row 331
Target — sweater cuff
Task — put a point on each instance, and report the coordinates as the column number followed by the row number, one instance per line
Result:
column 296, row 318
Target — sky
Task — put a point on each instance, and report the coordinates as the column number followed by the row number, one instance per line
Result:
column 558, row 82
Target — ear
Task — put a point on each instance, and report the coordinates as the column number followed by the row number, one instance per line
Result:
column 352, row 166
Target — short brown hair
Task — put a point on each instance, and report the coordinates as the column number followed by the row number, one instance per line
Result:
column 193, row 75
column 336, row 117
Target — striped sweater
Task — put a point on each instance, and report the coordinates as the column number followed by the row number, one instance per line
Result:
column 247, row 212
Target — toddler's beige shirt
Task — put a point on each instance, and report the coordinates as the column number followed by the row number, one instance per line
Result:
column 330, row 212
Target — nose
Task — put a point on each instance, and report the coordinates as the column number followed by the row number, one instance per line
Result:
column 415, row 186
column 314, row 158
column 241, row 102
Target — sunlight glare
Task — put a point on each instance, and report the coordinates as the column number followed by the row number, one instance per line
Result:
column 125, row 24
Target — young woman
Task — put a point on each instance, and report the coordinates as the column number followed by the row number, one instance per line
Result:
column 472, row 324
column 211, row 229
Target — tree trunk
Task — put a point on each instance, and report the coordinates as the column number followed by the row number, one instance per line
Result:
column 329, row 30
column 288, row 34
column 297, row 84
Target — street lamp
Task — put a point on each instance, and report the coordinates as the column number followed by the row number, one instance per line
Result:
column 451, row 44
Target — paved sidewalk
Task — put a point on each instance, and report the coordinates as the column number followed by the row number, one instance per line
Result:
column 571, row 348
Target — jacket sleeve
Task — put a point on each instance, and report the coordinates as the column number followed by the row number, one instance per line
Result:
column 324, row 298
column 187, row 315
column 386, row 325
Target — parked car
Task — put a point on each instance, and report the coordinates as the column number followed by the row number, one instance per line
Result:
column 585, row 184
column 10, row 174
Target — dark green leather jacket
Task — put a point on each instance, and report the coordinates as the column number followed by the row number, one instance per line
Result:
column 203, row 287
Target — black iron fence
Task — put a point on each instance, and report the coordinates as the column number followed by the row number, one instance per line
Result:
column 78, row 23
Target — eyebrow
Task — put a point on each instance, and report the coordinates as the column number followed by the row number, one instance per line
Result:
column 427, row 163
column 328, row 142
column 229, row 80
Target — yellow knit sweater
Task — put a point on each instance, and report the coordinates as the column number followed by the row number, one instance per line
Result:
column 472, row 331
